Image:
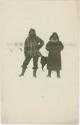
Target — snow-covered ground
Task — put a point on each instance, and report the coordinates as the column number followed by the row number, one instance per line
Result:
column 48, row 100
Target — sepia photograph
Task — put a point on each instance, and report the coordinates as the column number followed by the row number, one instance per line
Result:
column 39, row 61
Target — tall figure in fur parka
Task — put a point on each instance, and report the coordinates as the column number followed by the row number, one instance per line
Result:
column 31, row 51
column 54, row 46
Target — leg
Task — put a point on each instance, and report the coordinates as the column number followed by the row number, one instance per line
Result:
column 49, row 72
column 58, row 73
column 35, row 65
column 24, row 66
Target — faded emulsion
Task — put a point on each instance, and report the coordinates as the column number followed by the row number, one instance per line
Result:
column 33, row 44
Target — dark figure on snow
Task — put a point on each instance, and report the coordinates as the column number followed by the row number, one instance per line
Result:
column 31, row 51
column 54, row 46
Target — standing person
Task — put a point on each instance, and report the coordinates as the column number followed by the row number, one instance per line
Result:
column 54, row 46
column 31, row 51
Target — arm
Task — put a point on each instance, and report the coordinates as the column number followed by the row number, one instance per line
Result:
column 40, row 42
column 56, row 49
column 47, row 46
column 25, row 46
column 60, row 47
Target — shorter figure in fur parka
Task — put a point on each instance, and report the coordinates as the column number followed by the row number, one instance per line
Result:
column 54, row 47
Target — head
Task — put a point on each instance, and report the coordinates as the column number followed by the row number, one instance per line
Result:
column 32, row 33
column 54, row 37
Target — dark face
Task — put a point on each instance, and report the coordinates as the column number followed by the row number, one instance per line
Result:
column 54, row 39
column 32, row 33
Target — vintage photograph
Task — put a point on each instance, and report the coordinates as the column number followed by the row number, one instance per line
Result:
column 39, row 61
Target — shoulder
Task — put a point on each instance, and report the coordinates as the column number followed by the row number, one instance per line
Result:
column 38, row 38
column 26, row 40
column 49, row 43
column 60, row 42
